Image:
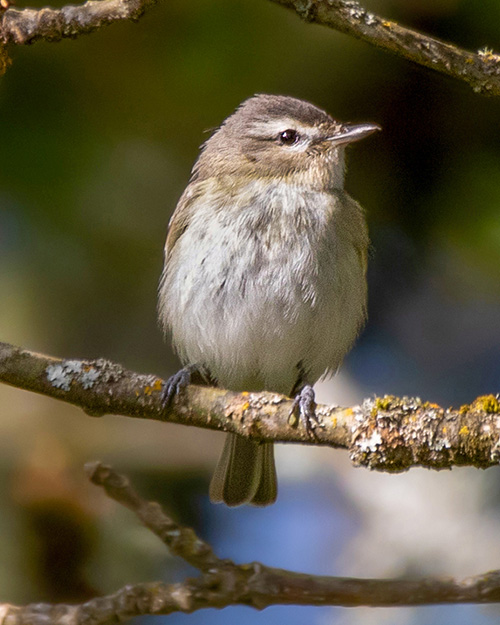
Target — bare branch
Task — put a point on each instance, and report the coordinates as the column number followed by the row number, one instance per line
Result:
column 386, row 434
column 29, row 25
column 257, row 586
column 224, row 583
column 481, row 70
column 182, row 541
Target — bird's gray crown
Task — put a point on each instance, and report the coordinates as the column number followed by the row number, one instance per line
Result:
column 263, row 107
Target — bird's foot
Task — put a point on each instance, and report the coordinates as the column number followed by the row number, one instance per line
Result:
column 304, row 407
column 176, row 384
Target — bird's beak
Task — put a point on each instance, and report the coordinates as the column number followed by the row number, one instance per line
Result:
column 348, row 133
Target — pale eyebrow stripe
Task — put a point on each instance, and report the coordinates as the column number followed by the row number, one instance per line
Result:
column 274, row 126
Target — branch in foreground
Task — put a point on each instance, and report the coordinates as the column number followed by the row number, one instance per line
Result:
column 29, row 25
column 387, row 434
column 223, row 583
column 481, row 70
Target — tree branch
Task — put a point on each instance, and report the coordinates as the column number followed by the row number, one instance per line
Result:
column 181, row 541
column 223, row 583
column 481, row 70
column 29, row 25
column 386, row 434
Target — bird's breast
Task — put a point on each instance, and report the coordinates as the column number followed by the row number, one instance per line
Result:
column 267, row 282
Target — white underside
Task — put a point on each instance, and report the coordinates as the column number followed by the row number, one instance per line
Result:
column 262, row 288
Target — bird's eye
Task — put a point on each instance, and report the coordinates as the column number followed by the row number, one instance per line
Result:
column 289, row 137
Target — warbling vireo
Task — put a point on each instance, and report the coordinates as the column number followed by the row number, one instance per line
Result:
column 264, row 282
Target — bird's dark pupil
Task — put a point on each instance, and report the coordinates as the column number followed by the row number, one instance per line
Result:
column 288, row 136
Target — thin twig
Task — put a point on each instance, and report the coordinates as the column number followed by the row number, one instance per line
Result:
column 182, row 541
column 23, row 26
column 481, row 70
column 386, row 434
column 224, row 583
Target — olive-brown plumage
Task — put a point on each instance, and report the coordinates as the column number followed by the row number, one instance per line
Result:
column 264, row 281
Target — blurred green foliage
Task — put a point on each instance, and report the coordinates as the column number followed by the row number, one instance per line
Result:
column 98, row 136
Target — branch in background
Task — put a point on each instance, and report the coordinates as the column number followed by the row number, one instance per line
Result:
column 29, row 25
column 181, row 541
column 481, row 70
column 223, row 583
column 386, row 434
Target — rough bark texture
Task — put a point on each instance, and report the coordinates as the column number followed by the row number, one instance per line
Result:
column 386, row 434
column 481, row 70
column 23, row 26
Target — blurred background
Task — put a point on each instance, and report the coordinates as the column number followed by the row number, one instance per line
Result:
column 98, row 136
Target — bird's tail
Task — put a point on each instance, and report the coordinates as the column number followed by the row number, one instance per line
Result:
column 245, row 473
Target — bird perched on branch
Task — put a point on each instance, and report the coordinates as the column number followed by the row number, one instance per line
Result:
column 264, row 282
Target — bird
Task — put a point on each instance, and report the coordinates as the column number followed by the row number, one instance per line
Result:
column 264, row 280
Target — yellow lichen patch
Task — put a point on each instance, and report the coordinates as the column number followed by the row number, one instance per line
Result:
column 487, row 54
column 148, row 390
column 464, row 431
column 488, row 403
column 158, row 385
column 245, row 393
column 464, row 409
column 245, row 406
column 387, row 24
column 385, row 402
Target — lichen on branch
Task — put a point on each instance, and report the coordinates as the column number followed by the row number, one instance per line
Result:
column 481, row 70
column 387, row 434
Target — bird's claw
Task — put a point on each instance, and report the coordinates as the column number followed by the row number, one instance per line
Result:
column 304, row 406
column 175, row 385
